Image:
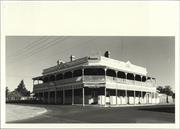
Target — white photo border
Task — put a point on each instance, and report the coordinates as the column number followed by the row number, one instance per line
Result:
column 81, row 18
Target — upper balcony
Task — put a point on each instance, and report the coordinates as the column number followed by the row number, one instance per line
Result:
column 92, row 75
column 90, row 79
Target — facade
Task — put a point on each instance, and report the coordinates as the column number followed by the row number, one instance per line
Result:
column 95, row 80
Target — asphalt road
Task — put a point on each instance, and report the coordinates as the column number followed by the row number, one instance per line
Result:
column 94, row 114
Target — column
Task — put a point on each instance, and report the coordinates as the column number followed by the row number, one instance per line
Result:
column 134, row 79
column 116, row 87
column 72, row 95
column 105, row 96
column 39, row 96
column 151, row 98
column 116, row 96
column 141, row 97
column 82, row 74
column 48, row 97
column 64, row 96
column 134, row 97
column 141, row 80
column 126, row 78
column 55, row 97
column 105, row 88
column 43, row 97
column 126, row 96
column 83, row 96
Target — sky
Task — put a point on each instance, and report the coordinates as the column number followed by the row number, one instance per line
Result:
column 27, row 56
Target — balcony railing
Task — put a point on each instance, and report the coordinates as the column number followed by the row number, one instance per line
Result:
column 97, row 79
column 92, row 79
column 129, row 82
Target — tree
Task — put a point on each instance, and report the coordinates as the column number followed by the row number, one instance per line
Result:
column 166, row 90
column 21, row 89
column 160, row 89
column 7, row 93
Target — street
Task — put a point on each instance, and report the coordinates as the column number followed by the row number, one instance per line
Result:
column 95, row 114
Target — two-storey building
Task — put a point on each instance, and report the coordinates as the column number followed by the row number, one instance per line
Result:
column 95, row 80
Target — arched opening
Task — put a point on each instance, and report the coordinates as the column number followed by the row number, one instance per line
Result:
column 143, row 78
column 68, row 75
column 40, row 80
column 59, row 76
column 77, row 73
column 94, row 71
column 111, row 73
column 148, row 78
column 52, row 78
column 130, row 76
column 138, row 77
column 46, row 79
column 121, row 74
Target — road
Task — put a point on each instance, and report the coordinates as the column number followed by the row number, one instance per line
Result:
column 95, row 114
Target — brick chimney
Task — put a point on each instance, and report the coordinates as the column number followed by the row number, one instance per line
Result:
column 107, row 54
column 72, row 58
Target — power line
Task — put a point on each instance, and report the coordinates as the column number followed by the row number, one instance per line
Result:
column 47, row 45
column 27, row 47
column 30, row 50
column 74, row 46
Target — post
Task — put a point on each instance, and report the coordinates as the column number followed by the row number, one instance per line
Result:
column 126, row 96
column 105, row 87
column 48, row 97
column 55, row 97
column 82, row 74
column 116, row 96
column 63, row 96
column 72, row 95
column 155, row 97
column 105, row 96
column 134, row 97
column 151, row 98
column 43, row 97
column 83, row 96
column 141, row 97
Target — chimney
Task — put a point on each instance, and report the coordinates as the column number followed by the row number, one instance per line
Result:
column 58, row 62
column 107, row 54
column 72, row 58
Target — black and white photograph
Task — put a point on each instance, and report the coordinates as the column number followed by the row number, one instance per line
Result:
column 87, row 79
column 89, row 64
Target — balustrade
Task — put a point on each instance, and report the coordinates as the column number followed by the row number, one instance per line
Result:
column 94, row 78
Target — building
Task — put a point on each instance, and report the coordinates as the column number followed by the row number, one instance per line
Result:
column 95, row 80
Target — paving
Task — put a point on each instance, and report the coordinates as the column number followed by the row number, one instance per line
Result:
column 97, row 114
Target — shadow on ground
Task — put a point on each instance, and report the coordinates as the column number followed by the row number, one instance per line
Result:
column 169, row 109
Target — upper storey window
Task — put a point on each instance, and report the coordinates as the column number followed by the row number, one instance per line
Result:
column 52, row 78
column 68, row 75
column 130, row 76
column 143, row 79
column 94, row 71
column 77, row 73
column 111, row 73
column 138, row 77
column 59, row 76
column 121, row 75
